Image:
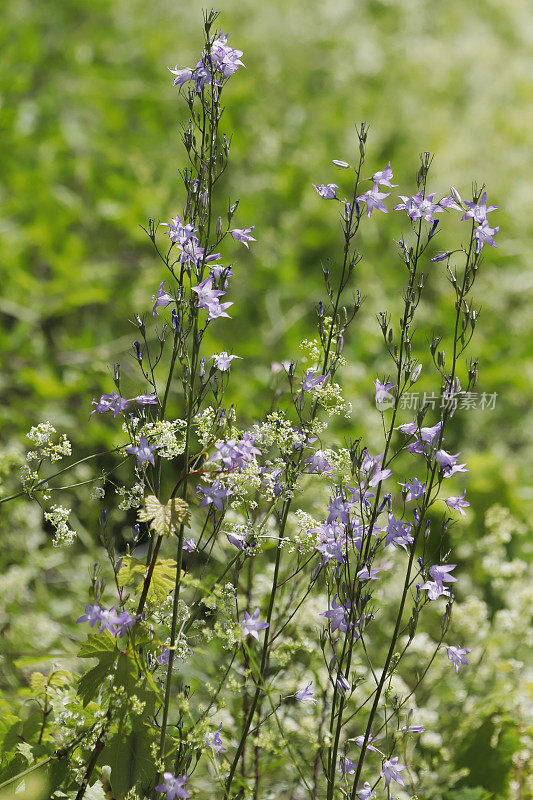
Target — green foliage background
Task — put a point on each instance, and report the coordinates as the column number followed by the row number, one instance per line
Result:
column 89, row 142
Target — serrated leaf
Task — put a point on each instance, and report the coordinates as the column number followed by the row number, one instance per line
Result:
column 38, row 683
column 60, row 677
column 164, row 519
column 97, row 645
column 91, row 681
column 163, row 580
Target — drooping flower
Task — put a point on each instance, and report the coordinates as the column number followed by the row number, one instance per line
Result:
column 214, row 741
column 124, row 623
column 383, row 396
column 390, row 770
column 162, row 298
column 374, row 199
column 365, row 792
column 331, row 542
column 338, row 509
column 173, row 787
column 398, row 533
column 305, row 695
column 484, row 235
column 146, row 400
column 415, row 489
column 183, row 76
column 311, row 380
column 92, row 614
column 109, row 402
column 384, row 177
column 189, row 545
column 359, row 740
column 243, row 235
column 208, row 299
column 337, row 615
column 457, row 656
column 98, row 615
column 368, row 575
column 343, row 684
column 449, row 203
column 449, row 464
column 458, row 503
column 228, row 453
column 327, row 191
column 371, row 469
column 223, row 360
column 441, row 573
column 318, row 462
column 251, row 624
column 347, row 766
column 143, row 451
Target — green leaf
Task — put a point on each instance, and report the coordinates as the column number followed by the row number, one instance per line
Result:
column 98, row 645
column 132, row 573
column 91, row 681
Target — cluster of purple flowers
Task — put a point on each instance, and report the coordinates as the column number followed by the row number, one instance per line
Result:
column 117, row 623
column 419, row 205
column 117, row 404
column 236, row 453
column 218, row 62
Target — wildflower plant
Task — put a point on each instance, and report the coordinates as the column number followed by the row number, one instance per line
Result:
column 257, row 545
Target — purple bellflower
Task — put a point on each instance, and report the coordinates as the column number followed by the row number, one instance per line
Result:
column 458, row 503
column 243, row 235
column 485, row 234
column 478, row 211
column 368, row 575
column 214, row 494
column 318, row 462
column 162, row 298
column 214, row 741
column 179, row 232
column 331, row 542
column 251, row 624
column 418, row 206
column 109, row 402
column 365, row 792
column 305, row 695
column 347, row 766
column 390, row 770
column 327, row 191
column 415, row 489
column 144, row 451
column 374, row 199
column 457, row 656
column 173, row 787
column 337, row 615
column 384, row 177
column 398, row 533
column 223, row 361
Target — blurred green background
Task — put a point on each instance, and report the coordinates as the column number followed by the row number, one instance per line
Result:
column 89, row 143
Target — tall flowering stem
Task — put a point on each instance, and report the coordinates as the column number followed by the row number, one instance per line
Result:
column 226, row 560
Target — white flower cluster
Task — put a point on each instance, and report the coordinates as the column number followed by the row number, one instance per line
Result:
column 298, row 535
column 169, row 435
column 41, row 436
column 58, row 516
column 131, row 498
column 275, row 431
